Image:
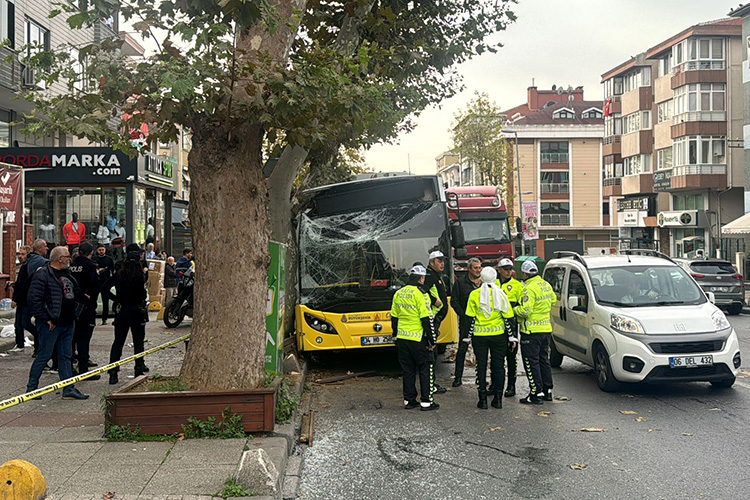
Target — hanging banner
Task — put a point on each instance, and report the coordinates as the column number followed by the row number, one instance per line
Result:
column 530, row 221
column 11, row 198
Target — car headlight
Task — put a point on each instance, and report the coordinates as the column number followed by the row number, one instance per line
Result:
column 625, row 324
column 319, row 324
column 720, row 321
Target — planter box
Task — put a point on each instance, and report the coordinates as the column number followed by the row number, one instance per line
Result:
column 166, row 412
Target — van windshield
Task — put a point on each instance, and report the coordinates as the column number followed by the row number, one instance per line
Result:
column 645, row 286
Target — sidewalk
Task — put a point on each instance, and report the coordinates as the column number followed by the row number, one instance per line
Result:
column 64, row 438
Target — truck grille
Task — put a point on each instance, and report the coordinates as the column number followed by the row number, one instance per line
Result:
column 687, row 347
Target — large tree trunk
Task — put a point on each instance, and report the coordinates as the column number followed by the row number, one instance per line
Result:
column 228, row 212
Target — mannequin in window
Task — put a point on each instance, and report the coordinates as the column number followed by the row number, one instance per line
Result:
column 48, row 231
column 74, row 232
column 103, row 235
column 150, row 230
column 112, row 220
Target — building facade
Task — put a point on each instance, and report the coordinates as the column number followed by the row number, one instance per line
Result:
column 448, row 166
column 743, row 13
column 672, row 115
column 559, row 143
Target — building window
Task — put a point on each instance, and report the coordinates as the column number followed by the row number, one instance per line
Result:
column 563, row 114
column 664, row 111
column 701, row 97
column 700, row 150
column 554, row 182
column 688, row 202
column 640, row 120
column 636, row 165
column 665, row 65
column 8, row 22
column 37, row 38
column 4, row 128
column 593, row 113
column 699, row 54
column 638, row 78
column 612, row 125
column 664, row 158
column 554, row 152
column 78, row 68
column 555, row 214
column 612, row 170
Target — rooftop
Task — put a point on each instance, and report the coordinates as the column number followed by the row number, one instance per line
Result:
column 545, row 115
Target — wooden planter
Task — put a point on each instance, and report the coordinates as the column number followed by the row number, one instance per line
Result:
column 167, row 412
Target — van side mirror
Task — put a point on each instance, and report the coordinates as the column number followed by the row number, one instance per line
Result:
column 576, row 304
column 711, row 297
column 457, row 236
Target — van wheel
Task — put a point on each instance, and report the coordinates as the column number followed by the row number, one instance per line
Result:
column 734, row 309
column 555, row 358
column 605, row 379
column 723, row 384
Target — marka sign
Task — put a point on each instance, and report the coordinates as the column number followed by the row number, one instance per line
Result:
column 71, row 165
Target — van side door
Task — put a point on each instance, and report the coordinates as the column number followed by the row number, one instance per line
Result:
column 576, row 311
column 555, row 276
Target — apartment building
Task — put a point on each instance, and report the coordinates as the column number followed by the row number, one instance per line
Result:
column 559, row 139
column 672, row 116
column 743, row 12
column 448, row 167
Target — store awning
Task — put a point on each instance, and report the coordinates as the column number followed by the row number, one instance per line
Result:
column 738, row 227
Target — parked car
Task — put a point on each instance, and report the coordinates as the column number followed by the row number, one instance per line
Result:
column 637, row 318
column 719, row 277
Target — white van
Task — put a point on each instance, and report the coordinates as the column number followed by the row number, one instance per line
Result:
column 638, row 318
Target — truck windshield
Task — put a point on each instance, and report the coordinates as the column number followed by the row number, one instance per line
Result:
column 478, row 231
column 645, row 286
column 357, row 260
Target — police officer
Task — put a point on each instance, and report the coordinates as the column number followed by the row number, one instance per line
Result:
column 536, row 328
column 488, row 336
column 83, row 270
column 412, row 327
column 435, row 285
column 514, row 291
column 459, row 298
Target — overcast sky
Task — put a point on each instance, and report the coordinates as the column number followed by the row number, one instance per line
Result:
column 561, row 42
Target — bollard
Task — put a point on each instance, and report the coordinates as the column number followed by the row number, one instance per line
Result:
column 20, row 480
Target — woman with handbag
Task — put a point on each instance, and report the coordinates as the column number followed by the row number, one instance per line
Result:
column 130, row 310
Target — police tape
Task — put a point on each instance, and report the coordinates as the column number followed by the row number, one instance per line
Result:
column 70, row 381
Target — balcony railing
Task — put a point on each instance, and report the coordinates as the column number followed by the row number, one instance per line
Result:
column 613, row 139
column 700, row 116
column 612, row 181
column 555, row 219
column 554, row 157
column 699, row 170
column 700, row 65
column 555, row 187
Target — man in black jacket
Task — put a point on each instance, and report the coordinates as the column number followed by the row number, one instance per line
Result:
column 434, row 283
column 52, row 301
column 84, row 270
column 105, row 266
column 459, row 297
column 34, row 261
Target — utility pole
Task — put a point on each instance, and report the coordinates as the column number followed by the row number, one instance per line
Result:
column 518, row 174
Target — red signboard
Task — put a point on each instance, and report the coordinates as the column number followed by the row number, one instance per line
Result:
column 11, row 197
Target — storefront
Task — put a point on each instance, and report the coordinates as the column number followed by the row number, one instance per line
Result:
column 106, row 191
column 635, row 218
column 688, row 231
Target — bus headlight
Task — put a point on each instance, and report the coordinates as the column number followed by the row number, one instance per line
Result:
column 319, row 325
column 453, row 204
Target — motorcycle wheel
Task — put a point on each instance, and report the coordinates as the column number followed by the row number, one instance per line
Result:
column 172, row 316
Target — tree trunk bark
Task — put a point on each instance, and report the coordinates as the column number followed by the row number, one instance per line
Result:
column 228, row 212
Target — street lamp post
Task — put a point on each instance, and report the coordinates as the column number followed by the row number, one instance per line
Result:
column 518, row 174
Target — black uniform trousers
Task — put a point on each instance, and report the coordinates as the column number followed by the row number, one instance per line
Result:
column 82, row 338
column 128, row 318
column 415, row 361
column 464, row 324
column 495, row 346
column 511, row 326
column 535, row 353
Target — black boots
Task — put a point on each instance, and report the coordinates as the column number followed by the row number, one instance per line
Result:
column 497, row 401
column 531, row 399
column 457, row 382
column 113, row 377
column 140, row 369
column 547, row 395
column 482, row 403
column 511, row 390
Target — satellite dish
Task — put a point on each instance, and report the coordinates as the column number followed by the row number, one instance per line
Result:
column 559, row 91
column 554, row 87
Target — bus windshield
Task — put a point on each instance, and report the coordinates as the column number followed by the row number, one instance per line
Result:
column 355, row 261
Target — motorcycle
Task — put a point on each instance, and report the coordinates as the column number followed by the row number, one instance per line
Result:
column 182, row 303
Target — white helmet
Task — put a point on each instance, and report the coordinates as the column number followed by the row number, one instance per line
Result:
column 529, row 267
column 488, row 275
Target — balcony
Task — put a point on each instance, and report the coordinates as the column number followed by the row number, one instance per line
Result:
column 640, row 99
column 612, row 186
column 615, row 106
column 637, row 143
column 612, row 145
column 700, row 66
column 638, row 184
column 555, row 220
column 685, row 128
column 713, row 177
column 701, row 72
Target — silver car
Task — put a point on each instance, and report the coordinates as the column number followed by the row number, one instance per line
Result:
column 719, row 277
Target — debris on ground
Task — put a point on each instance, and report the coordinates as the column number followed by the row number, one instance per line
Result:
column 689, row 434
column 562, row 398
column 590, row 429
column 493, row 429
column 544, row 413
column 640, row 419
column 578, row 466
column 628, row 412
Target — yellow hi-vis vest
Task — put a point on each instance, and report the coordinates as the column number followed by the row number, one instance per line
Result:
column 535, row 306
column 410, row 305
column 514, row 291
column 484, row 326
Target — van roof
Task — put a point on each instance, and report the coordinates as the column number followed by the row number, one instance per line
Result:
column 599, row 261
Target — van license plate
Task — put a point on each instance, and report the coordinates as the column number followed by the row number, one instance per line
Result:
column 691, row 361
column 377, row 340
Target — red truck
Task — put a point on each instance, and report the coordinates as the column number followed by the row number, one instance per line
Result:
column 482, row 213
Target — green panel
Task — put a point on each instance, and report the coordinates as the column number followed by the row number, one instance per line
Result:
column 274, row 307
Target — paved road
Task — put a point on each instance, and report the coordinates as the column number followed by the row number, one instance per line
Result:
column 693, row 443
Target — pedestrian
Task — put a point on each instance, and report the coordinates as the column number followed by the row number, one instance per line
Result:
column 118, row 239
column 150, row 254
column 170, row 280
column 514, row 291
column 459, row 298
column 131, row 313
column 485, row 309
column 415, row 340
column 533, row 313
column 52, row 300
column 150, row 230
column 23, row 252
column 84, row 271
column 184, row 263
column 105, row 266
column 33, row 261
column 435, row 285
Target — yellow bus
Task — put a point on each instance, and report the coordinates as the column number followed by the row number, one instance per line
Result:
column 357, row 242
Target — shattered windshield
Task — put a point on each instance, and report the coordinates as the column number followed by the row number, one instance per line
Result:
column 359, row 259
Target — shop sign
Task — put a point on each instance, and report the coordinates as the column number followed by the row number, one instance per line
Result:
column 629, row 218
column 640, row 203
column 11, row 197
column 530, row 221
column 663, row 180
column 678, row 218
column 157, row 170
column 70, row 165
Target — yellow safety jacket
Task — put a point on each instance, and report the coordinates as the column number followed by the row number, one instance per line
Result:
column 484, row 326
column 410, row 305
column 535, row 306
column 514, row 291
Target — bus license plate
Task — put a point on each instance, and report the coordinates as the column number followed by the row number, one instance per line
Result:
column 691, row 361
column 377, row 340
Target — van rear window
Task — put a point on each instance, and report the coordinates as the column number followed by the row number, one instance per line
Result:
column 709, row 267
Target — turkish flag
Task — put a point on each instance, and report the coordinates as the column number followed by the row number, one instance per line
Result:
column 606, row 107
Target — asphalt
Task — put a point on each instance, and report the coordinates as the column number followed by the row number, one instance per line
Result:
column 64, row 438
